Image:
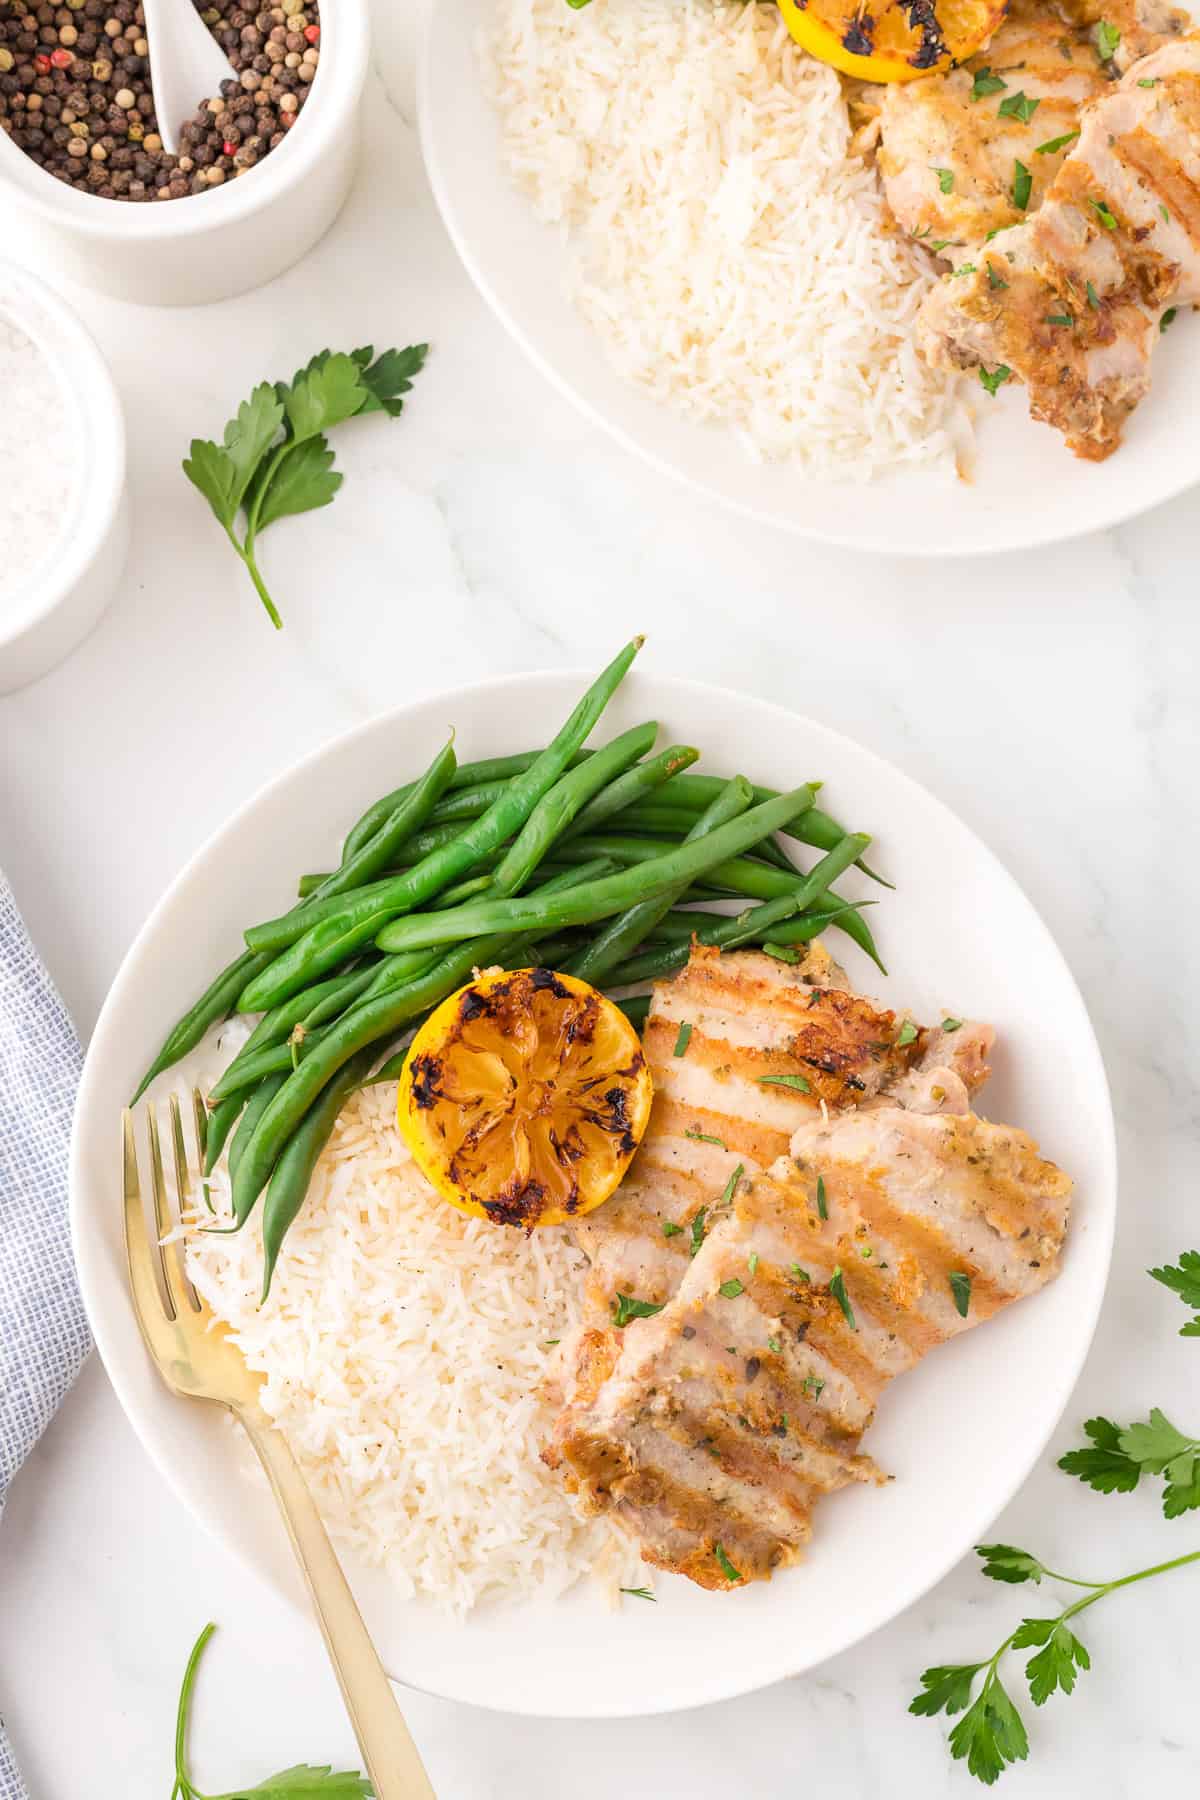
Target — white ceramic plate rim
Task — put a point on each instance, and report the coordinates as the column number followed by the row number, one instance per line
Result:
column 1131, row 499
column 722, row 1683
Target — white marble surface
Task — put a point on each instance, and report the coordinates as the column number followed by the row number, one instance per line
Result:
column 1050, row 698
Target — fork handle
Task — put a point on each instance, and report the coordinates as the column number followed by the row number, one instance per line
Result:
column 391, row 1757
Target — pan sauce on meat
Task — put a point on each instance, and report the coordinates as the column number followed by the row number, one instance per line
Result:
column 710, row 1430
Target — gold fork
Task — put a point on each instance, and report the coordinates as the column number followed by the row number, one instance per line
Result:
column 196, row 1359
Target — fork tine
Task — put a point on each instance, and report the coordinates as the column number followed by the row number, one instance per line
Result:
column 147, row 1300
column 168, row 1254
column 183, row 1193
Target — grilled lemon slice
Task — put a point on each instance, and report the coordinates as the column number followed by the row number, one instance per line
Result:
column 892, row 40
column 524, row 1097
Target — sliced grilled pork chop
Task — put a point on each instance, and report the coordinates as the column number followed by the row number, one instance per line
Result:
column 765, row 1045
column 710, row 1430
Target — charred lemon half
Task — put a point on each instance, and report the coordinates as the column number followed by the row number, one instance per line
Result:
column 524, row 1097
column 892, row 40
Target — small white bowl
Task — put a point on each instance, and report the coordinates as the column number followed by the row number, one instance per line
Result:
column 207, row 246
column 53, row 610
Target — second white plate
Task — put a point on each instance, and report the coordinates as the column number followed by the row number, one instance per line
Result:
column 1027, row 490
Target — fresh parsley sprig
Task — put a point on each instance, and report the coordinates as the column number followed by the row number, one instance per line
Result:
column 301, row 1782
column 991, row 1734
column 274, row 460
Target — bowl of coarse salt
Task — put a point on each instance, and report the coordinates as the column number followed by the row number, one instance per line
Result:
column 64, row 523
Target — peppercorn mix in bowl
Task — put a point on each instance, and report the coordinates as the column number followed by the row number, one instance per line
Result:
column 263, row 166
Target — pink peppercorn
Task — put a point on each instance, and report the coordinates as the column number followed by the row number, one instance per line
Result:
column 228, row 148
column 42, row 64
column 312, row 34
column 61, row 59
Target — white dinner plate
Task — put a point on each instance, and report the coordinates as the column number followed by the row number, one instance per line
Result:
column 959, row 1434
column 1027, row 488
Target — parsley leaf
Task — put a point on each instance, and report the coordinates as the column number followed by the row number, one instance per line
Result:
column 1093, row 298
column 729, row 1290
column 965, row 269
column 1059, row 319
column 990, row 1734
column 702, row 1137
column 837, row 1287
column 952, row 1024
column 670, row 1229
column 626, row 1308
column 822, row 1200
column 1052, row 146
column 274, row 460
column 1018, row 106
column 774, row 1345
column 1105, row 1467
column 995, row 378
column 1183, row 1277
column 1106, row 218
column 1022, row 185
column 1054, row 1668
column 1107, row 40
column 1157, row 1443
column 947, row 1689
column 683, row 1039
column 698, row 1229
column 1003, row 1562
column 995, row 280
column 986, row 83
column 906, row 1035
column 1151, row 81
column 727, row 1568
column 945, row 179
column 639, row 1593
column 799, row 1082
column 730, row 1188
column 960, row 1287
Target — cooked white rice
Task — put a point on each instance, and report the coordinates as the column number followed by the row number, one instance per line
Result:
column 730, row 250
column 402, row 1346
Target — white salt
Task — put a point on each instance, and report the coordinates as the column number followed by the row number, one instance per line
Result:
column 39, row 464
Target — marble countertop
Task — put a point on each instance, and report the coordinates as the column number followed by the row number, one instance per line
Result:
column 1050, row 698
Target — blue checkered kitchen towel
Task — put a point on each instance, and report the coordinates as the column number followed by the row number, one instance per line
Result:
column 43, row 1331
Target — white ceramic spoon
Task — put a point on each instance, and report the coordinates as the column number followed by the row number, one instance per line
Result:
column 187, row 65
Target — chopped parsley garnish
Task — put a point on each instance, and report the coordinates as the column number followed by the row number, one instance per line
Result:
column 727, row 1568
column 1018, row 106
column 729, row 1290
column 640, row 1594
column 1093, row 297
column 951, row 1024
column 995, row 232
column 801, row 1085
column 965, row 269
column 1105, row 217
column 549, row 1343
column 1022, row 185
column 995, row 279
column 785, row 953
column 701, row 1137
column 1059, row 319
column 627, row 1308
column 945, row 179
column 1149, row 81
column 1166, row 217
column 995, row 378
column 752, row 1263
column 698, row 1229
column 837, row 1287
column 1052, row 146
column 937, row 245
column 798, row 1273
column 812, row 1384
column 774, row 1345
column 1167, row 317
column 731, row 1184
column 908, row 1034
column 822, row 1202
column 683, row 1039
column 866, row 1253
column 960, row 1287
column 1107, row 39
column 670, row 1229
column 986, row 83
